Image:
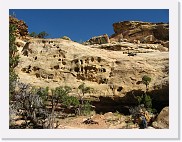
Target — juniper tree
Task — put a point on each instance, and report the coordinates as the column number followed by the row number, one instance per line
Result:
column 146, row 80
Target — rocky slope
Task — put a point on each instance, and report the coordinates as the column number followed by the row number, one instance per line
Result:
column 108, row 67
column 113, row 74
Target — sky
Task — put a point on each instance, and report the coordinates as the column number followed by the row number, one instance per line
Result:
column 82, row 24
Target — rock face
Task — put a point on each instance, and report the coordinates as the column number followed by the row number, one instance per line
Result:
column 22, row 29
column 115, row 76
column 113, row 67
column 162, row 121
column 98, row 40
column 142, row 32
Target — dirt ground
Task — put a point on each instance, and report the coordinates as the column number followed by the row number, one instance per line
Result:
column 98, row 121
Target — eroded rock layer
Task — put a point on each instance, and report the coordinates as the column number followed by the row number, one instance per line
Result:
column 141, row 32
column 112, row 74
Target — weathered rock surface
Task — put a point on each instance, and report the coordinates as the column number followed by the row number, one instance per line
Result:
column 21, row 27
column 162, row 121
column 103, row 39
column 113, row 74
column 127, row 46
column 140, row 32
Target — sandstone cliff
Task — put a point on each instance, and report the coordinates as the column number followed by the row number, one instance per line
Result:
column 142, row 32
column 113, row 74
column 109, row 68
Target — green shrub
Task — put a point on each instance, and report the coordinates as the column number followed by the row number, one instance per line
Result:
column 33, row 34
column 13, row 60
column 71, row 101
column 147, row 101
column 86, row 108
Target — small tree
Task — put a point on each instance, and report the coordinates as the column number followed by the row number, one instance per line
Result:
column 146, row 80
column 30, row 106
column 59, row 95
column 85, row 105
column 84, row 89
column 33, row 34
column 147, row 101
column 42, row 34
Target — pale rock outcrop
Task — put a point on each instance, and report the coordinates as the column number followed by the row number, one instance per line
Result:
column 103, row 39
column 112, row 74
column 145, row 32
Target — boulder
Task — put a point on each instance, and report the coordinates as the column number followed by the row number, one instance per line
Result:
column 162, row 121
column 103, row 39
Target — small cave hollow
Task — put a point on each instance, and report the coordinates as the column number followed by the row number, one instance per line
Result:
column 50, row 76
column 63, row 62
column 120, row 89
column 44, row 76
column 59, row 59
column 81, row 61
column 80, row 77
column 54, row 56
column 103, row 81
column 35, row 58
column 92, row 59
column 36, row 68
column 76, row 61
column 87, row 61
column 29, row 67
column 76, row 69
column 56, row 67
column 43, row 41
column 99, row 59
column 81, row 69
column 118, row 62
column 37, row 75
column 23, row 69
column 103, row 70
